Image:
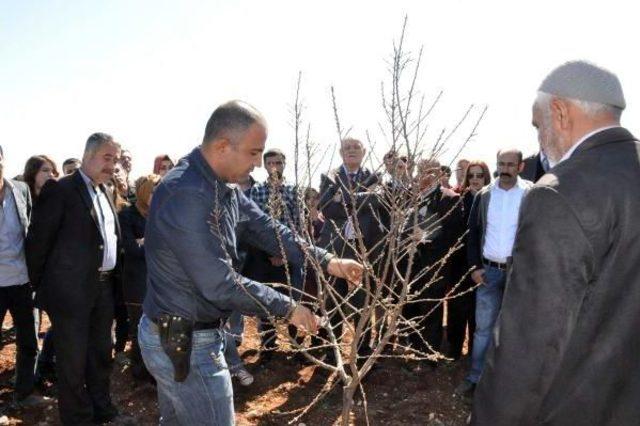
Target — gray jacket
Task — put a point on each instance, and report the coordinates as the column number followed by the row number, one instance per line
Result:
column 567, row 342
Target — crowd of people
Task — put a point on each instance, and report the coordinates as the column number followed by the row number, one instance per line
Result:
column 112, row 259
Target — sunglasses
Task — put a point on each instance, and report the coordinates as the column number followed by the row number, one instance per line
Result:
column 476, row 175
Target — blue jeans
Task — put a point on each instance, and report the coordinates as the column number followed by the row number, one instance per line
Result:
column 206, row 396
column 488, row 302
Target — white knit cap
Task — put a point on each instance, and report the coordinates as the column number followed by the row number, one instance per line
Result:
column 584, row 81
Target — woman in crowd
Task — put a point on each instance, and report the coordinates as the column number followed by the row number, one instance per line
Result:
column 117, row 189
column 133, row 220
column 461, row 310
column 162, row 164
column 37, row 171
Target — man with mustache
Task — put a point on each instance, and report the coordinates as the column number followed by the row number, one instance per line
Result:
column 493, row 221
column 72, row 255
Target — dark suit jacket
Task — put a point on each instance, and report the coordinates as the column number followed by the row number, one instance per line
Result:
column 64, row 246
column 533, row 169
column 567, row 344
column 134, row 269
column 366, row 207
column 440, row 215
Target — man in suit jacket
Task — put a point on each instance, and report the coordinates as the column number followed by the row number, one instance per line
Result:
column 437, row 225
column 348, row 186
column 535, row 166
column 566, row 345
column 72, row 255
column 16, row 294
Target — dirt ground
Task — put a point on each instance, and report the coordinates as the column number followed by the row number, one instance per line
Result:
column 397, row 394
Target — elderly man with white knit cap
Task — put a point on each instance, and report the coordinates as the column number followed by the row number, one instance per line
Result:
column 567, row 347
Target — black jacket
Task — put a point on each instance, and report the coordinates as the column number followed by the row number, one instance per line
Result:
column 440, row 216
column 134, row 268
column 366, row 206
column 64, row 246
column 567, row 342
column 533, row 169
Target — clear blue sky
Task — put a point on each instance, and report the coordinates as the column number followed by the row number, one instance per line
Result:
column 150, row 73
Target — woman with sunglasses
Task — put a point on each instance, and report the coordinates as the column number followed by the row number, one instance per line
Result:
column 461, row 310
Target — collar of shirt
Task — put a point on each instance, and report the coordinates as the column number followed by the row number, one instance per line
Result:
column 87, row 180
column 349, row 174
column 519, row 185
column 580, row 141
column 208, row 173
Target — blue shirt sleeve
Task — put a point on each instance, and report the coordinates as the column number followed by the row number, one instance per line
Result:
column 264, row 233
column 185, row 222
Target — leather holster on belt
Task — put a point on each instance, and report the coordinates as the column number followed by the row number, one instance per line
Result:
column 176, row 334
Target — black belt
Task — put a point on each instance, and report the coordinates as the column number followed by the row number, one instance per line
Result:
column 498, row 265
column 197, row 326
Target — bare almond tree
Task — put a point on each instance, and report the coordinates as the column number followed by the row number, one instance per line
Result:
column 407, row 267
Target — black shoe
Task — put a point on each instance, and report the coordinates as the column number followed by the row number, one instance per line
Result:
column 465, row 390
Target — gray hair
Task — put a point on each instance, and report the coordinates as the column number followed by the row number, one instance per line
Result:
column 95, row 142
column 233, row 116
column 590, row 109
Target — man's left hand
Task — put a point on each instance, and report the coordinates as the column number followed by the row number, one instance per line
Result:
column 348, row 269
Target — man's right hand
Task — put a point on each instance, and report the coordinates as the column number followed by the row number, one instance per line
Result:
column 478, row 276
column 304, row 319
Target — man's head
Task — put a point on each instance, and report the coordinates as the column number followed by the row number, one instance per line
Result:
column 428, row 174
column 125, row 160
column 445, row 175
column 274, row 162
column 573, row 100
column 120, row 178
column 352, row 152
column 461, row 168
column 389, row 161
column 234, row 140
column 70, row 165
column 510, row 164
column 101, row 154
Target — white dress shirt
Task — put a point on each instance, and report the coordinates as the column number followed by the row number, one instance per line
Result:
column 106, row 223
column 502, row 221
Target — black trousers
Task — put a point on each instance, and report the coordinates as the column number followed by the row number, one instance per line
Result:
column 429, row 316
column 122, row 326
column 18, row 299
column 82, row 339
column 353, row 310
column 138, row 369
column 461, row 312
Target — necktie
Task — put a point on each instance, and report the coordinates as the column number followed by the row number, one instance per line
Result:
column 545, row 164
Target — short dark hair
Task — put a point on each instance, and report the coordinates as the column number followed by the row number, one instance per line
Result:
column 98, row 139
column 70, row 161
column 230, row 116
column 516, row 151
column 272, row 153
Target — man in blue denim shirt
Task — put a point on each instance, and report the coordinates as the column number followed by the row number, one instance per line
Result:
column 191, row 243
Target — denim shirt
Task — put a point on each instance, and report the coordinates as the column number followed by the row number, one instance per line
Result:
column 190, row 247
